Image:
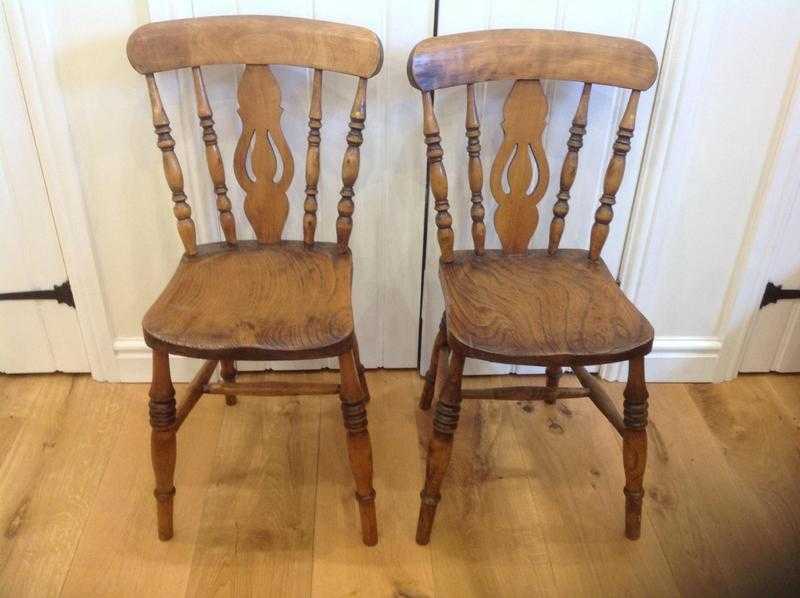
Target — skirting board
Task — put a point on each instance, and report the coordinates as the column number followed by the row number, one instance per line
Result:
column 673, row 359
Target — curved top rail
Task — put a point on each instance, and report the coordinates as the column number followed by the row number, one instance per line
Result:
column 498, row 54
column 183, row 43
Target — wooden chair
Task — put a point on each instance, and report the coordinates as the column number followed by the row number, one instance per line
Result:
column 270, row 299
column 553, row 307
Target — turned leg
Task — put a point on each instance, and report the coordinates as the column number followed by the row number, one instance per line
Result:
column 438, row 353
column 162, row 441
column 359, row 448
column 634, row 445
column 444, row 426
column 553, row 374
column 362, row 378
column 228, row 372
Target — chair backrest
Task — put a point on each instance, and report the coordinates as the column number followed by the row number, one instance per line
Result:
column 258, row 42
column 526, row 56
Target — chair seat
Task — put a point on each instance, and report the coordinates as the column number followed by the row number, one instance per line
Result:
column 252, row 301
column 539, row 309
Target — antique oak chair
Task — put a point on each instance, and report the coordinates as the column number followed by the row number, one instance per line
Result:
column 554, row 307
column 269, row 299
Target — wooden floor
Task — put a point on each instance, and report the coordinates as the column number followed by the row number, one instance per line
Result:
column 532, row 505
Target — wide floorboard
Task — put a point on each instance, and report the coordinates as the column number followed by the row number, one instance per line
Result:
column 532, row 504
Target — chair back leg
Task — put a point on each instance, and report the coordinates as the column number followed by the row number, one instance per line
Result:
column 228, row 373
column 362, row 377
column 553, row 374
column 439, row 345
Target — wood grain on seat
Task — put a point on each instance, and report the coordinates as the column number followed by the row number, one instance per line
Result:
column 256, row 301
column 540, row 309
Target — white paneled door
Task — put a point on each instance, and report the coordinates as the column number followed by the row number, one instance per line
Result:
column 39, row 335
column 645, row 20
column 774, row 341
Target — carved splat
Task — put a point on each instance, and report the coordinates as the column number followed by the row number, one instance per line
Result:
column 266, row 204
column 524, row 119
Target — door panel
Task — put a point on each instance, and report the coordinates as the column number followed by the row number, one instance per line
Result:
column 645, row 21
column 774, row 342
column 35, row 336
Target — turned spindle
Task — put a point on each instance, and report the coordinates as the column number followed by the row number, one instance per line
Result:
column 172, row 168
column 475, row 168
column 438, row 178
column 350, row 166
column 216, row 169
column 312, row 160
column 569, row 169
column 613, row 179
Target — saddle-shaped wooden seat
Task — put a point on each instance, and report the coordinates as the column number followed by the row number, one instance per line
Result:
column 289, row 300
column 540, row 309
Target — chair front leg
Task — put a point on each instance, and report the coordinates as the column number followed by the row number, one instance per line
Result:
column 445, row 422
column 634, row 446
column 228, row 373
column 163, row 445
column 439, row 351
column 359, row 448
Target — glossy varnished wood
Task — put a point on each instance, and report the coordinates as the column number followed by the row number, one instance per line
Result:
column 539, row 309
column 251, row 39
column 526, row 509
column 238, row 303
column 461, row 58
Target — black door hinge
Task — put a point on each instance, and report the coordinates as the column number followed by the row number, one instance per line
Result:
column 61, row 293
column 775, row 292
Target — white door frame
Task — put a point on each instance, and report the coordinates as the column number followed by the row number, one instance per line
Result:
column 31, row 42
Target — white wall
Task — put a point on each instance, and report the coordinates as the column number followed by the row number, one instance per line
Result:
column 717, row 121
